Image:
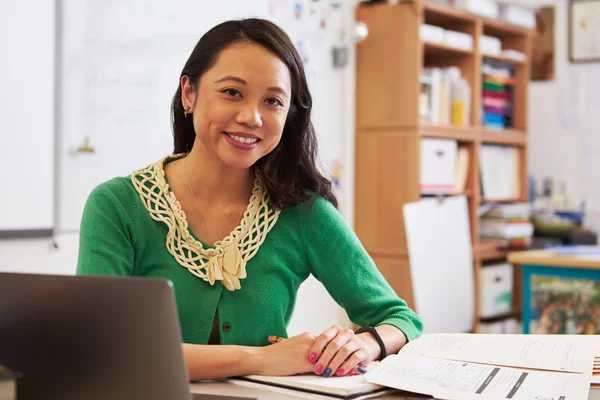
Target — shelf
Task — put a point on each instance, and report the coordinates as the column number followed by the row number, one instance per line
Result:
column 487, row 251
column 512, row 137
column 502, row 29
column 467, row 193
column 460, row 133
column 436, row 49
column 443, row 15
column 502, row 201
column 503, row 59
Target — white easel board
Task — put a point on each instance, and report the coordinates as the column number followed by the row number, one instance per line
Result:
column 441, row 263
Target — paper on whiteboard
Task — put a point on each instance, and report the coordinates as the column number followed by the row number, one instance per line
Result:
column 441, row 263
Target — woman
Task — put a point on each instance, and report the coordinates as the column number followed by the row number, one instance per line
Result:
column 239, row 217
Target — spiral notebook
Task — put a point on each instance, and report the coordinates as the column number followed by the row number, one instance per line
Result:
column 347, row 387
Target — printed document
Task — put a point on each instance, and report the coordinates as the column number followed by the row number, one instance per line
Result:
column 458, row 380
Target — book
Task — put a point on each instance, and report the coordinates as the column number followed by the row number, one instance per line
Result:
column 346, row 387
column 8, row 383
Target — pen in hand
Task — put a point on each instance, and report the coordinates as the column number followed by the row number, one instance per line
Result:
column 275, row 339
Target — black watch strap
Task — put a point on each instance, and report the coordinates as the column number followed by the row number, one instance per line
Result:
column 374, row 332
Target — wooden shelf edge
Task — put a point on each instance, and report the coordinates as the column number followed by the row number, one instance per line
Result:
column 503, row 59
column 449, row 12
column 488, row 251
column 515, row 137
column 467, row 133
column 503, row 28
column 503, row 201
column 467, row 193
column 438, row 48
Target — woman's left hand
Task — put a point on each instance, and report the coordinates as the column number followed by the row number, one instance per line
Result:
column 338, row 351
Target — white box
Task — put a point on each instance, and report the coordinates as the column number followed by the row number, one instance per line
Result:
column 432, row 33
column 495, row 296
column 438, row 163
column 490, row 45
column 521, row 16
column 459, row 40
column 486, row 8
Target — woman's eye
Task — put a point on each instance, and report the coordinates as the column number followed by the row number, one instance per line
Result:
column 274, row 101
column 231, row 92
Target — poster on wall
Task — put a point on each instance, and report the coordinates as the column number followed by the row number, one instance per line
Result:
column 561, row 305
column 584, row 30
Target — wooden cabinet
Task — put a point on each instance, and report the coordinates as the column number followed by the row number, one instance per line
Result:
column 388, row 128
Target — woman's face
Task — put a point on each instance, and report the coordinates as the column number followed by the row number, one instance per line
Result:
column 240, row 105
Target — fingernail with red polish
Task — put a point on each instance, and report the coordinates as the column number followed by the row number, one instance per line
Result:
column 339, row 372
column 312, row 358
column 351, row 373
column 319, row 369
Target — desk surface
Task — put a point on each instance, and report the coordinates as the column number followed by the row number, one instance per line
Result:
column 551, row 259
column 230, row 389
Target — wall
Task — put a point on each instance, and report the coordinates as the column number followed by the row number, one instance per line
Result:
column 564, row 140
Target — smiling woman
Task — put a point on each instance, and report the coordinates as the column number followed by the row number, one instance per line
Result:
column 239, row 216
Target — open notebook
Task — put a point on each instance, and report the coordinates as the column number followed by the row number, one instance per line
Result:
column 347, row 387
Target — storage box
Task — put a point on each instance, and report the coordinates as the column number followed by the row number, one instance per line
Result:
column 495, row 296
column 459, row 40
column 490, row 45
column 432, row 33
column 438, row 163
column 485, row 8
column 517, row 15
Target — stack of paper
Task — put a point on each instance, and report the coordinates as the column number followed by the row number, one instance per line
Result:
column 466, row 367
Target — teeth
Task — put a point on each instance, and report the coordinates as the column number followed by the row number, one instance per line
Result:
column 243, row 140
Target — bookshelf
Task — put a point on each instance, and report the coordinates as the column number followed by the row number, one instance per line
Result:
column 389, row 129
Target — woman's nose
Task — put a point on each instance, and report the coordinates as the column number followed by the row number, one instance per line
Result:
column 250, row 115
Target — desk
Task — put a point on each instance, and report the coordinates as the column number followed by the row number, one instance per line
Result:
column 561, row 293
column 230, row 389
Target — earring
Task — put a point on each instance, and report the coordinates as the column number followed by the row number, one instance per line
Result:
column 185, row 112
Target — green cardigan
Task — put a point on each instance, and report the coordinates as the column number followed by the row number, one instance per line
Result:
column 118, row 237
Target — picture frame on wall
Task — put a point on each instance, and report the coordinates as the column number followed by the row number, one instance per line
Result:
column 584, row 31
column 561, row 300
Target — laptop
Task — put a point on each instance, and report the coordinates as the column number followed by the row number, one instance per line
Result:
column 92, row 337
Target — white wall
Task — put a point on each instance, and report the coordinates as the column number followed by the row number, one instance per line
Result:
column 564, row 135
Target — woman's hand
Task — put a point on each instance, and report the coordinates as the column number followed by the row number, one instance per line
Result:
column 288, row 357
column 338, row 351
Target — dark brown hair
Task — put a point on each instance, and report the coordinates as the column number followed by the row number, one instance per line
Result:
column 289, row 172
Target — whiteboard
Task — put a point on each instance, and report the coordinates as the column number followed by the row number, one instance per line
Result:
column 120, row 63
column 441, row 263
column 27, row 72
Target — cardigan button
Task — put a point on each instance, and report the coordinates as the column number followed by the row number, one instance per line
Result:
column 226, row 326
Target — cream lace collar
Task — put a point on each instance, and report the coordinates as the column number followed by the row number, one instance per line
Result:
column 226, row 262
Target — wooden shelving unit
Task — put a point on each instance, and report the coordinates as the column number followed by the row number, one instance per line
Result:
column 388, row 127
